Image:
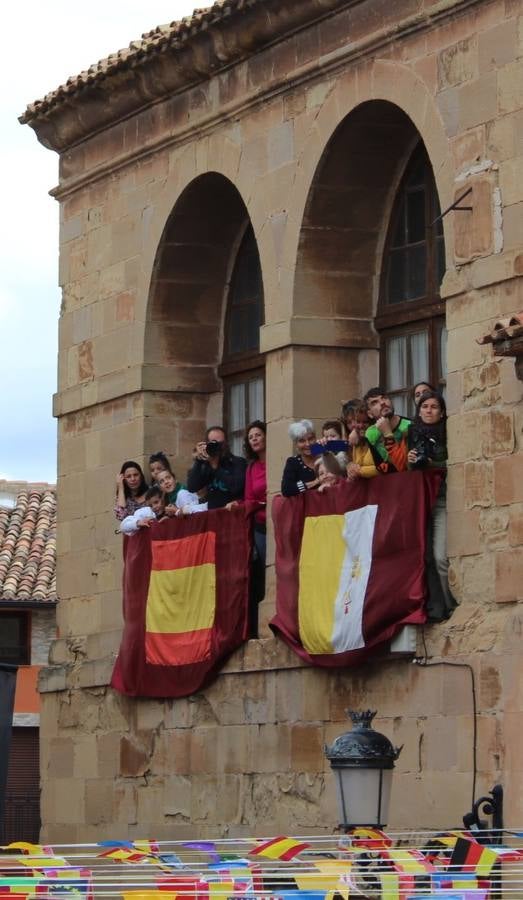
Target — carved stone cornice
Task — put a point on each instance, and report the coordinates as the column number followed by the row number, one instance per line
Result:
column 166, row 62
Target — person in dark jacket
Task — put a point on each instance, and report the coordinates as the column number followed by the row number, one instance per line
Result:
column 427, row 442
column 299, row 474
column 217, row 469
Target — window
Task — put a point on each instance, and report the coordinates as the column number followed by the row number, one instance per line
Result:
column 14, row 638
column 410, row 316
column 242, row 367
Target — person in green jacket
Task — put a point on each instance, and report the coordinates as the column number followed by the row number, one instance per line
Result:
column 387, row 435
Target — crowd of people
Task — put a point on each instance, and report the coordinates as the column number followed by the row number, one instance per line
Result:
column 368, row 440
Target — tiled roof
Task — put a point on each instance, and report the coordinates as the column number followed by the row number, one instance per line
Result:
column 28, row 545
column 158, row 40
column 504, row 330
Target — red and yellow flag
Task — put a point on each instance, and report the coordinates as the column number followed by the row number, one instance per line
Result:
column 350, row 565
column 279, row 848
column 186, row 584
column 181, row 601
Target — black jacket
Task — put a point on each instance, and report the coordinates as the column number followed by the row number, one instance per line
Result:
column 223, row 484
column 295, row 475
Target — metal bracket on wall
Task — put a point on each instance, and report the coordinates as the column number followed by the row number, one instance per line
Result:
column 454, row 205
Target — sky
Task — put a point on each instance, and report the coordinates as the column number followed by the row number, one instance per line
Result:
column 44, row 43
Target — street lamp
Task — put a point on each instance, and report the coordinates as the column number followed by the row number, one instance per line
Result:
column 362, row 761
column 491, row 805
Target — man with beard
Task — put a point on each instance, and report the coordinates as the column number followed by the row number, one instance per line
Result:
column 387, row 436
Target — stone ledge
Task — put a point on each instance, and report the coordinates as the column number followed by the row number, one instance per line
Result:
column 138, row 379
column 51, row 679
column 315, row 331
column 261, row 655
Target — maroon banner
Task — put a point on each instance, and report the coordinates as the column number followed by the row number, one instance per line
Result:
column 220, row 579
column 396, row 589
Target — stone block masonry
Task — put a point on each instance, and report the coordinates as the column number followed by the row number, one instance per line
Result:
column 300, row 119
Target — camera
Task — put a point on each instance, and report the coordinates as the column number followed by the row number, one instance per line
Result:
column 424, row 447
column 214, row 448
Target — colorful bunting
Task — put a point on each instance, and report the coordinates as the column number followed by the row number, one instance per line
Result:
column 469, row 856
column 279, row 848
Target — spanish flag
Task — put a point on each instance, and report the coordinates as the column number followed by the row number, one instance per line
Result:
column 181, row 602
column 367, row 838
column 186, row 585
column 282, row 848
column 350, row 565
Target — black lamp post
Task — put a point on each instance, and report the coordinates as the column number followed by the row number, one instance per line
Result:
column 362, row 761
column 491, row 805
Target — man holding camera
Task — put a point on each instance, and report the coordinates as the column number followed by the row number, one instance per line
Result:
column 217, row 469
column 387, row 436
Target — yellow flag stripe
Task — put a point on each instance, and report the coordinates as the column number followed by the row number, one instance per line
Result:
column 181, row 600
column 321, row 557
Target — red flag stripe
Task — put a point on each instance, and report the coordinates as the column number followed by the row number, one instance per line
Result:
column 289, row 854
column 178, row 649
column 183, row 553
column 292, row 852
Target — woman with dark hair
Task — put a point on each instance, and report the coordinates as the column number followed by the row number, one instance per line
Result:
column 131, row 488
column 422, row 387
column 159, row 462
column 255, row 496
column 255, row 502
column 427, row 443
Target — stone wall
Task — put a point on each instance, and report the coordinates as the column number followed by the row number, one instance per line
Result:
column 274, row 136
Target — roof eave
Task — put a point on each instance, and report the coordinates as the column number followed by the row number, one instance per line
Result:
column 28, row 604
column 86, row 105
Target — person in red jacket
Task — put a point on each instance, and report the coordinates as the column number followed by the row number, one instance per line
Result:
column 255, row 503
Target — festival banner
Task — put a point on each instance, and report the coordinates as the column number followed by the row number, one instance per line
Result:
column 350, row 565
column 185, row 599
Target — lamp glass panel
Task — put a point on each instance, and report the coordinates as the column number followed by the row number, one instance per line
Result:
column 359, row 796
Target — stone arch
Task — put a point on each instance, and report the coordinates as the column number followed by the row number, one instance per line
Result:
column 398, row 88
column 348, row 210
column 187, row 304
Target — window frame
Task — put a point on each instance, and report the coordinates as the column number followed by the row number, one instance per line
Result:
column 243, row 377
column 424, row 313
column 24, row 649
column 244, row 366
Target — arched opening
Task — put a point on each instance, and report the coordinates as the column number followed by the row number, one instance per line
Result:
column 242, row 369
column 410, row 316
column 343, row 248
column 204, row 265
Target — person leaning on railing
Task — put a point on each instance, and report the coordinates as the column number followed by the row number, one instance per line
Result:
column 362, row 465
column 217, row 469
column 299, row 475
column 427, row 442
column 387, row 435
column 131, row 488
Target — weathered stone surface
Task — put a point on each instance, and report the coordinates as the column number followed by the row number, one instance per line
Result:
column 306, row 139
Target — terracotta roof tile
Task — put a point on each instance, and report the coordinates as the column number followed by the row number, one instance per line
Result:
column 156, row 41
column 504, row 330
column 28, row 546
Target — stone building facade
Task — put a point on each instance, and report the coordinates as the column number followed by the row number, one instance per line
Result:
column 27, row 630
column 303, row 121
